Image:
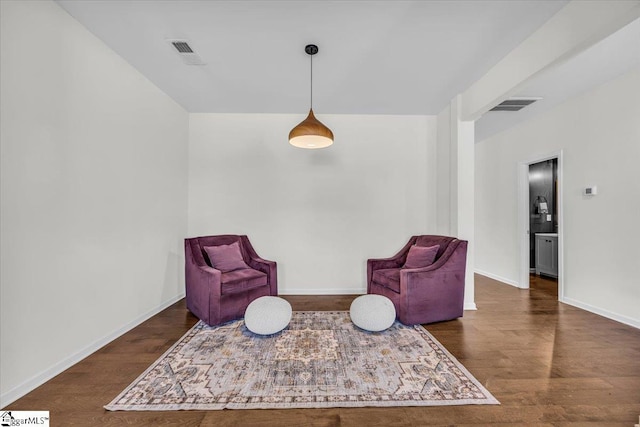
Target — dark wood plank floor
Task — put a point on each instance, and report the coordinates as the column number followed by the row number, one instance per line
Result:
column 548, row 363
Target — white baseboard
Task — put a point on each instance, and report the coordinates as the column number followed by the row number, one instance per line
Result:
column 346, row 291
column 323, row 291
column 604, row 313
column 498, row 278
column 44, row 376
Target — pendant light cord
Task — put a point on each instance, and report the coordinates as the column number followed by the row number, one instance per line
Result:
column 311, row 97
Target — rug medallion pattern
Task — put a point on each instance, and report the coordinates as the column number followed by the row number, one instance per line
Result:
column 321, row 360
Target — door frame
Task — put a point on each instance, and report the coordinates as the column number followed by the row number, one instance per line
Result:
column 523, row 219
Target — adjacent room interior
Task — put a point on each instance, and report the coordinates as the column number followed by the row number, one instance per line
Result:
column 509, row 125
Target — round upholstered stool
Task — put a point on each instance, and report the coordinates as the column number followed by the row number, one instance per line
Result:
column 373, row 313
column 267, row 315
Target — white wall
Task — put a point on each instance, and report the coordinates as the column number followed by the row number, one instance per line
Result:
column 599, row 133
column 94, row 175
column 319, row 213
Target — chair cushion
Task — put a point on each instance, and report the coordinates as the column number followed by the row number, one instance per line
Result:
column 421, row 256
column 226, row 257
column 242, row 280
column 388, row 277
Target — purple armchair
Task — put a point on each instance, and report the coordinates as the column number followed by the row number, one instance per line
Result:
column 216, row 296
column 423, row 295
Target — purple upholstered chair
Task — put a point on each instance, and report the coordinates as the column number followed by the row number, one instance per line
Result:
column 217, row 295
column 422, row 294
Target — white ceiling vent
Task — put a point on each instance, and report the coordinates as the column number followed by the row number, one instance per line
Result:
column 515, row 104
column 186, row 52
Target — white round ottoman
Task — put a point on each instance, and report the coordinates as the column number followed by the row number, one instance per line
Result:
column 373, row 313
column 267, row 315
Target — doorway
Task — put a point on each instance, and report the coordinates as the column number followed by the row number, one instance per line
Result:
column 540, row 223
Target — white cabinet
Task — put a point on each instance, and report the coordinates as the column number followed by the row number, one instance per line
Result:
column 547, row 254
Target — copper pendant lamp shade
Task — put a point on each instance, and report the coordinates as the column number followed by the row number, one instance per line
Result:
column 311, row 133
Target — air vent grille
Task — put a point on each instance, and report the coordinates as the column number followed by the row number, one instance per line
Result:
column 514, row 104
column 186, row 52
column 182, row 47
column 508, row 108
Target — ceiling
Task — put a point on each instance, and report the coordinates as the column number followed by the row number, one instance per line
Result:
column 611, row 57
column 375, row 57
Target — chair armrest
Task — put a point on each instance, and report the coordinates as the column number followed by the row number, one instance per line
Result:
column 200, row 278
column 215, row 274
column 380, row 264
column 261, row 264
column 270, row 268
column 206, row 278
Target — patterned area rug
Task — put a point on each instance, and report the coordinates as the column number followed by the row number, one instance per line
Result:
column 320, row 361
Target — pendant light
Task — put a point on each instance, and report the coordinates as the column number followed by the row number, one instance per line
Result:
column 311, row 133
